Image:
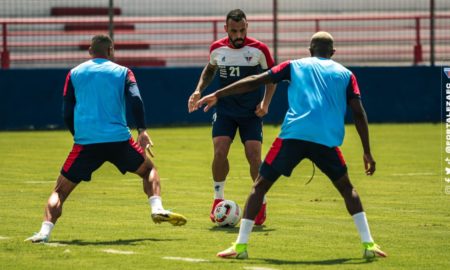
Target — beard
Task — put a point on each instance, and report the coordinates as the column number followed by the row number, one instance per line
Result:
column 237, row 43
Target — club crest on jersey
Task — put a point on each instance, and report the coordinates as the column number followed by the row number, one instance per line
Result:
column 248, row 56
column 223, row 59
column 447, row 72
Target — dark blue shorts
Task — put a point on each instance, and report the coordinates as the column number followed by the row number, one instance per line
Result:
column 286, row 154
column 250, row 128
column 83, row 160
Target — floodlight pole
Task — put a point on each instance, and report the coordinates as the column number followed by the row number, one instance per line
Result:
column 432, row 37
column 111, row 19
column 275, row 31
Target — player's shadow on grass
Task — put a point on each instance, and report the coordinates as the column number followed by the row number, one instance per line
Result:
column 118, row 242
column 256, row 229
column 318, row 262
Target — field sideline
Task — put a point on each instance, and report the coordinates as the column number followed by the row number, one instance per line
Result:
column 307, row 226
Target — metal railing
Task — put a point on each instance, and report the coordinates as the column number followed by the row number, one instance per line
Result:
column 365, row 38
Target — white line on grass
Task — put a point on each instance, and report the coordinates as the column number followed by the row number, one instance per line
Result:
column 185, row 259
column 4, row 237
column 258, row 268
column 115, row 251
column 414, row 174
column 40, row 182
column 137, row 180
column 55, row 244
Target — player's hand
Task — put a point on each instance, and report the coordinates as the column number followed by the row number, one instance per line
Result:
column 193, row 100
column 209, row 100
column 369, row 164
column 262, row 109
column 145, row 142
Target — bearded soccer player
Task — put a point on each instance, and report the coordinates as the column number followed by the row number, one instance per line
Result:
column 236, row 56
column 319, row 91
column 95, row 95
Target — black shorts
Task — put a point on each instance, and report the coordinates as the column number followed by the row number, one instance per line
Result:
column 250, row 128
column 83, row 160
column 286, row 154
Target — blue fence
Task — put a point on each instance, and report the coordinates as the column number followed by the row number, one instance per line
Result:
column 32, row 99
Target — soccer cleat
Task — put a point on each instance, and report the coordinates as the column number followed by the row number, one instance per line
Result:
column 167, row 216
column 261, row 217
column 37, row 238
column 236, row 251
column 372, row 250
column 215, row 203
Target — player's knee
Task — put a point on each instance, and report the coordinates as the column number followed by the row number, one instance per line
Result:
column 220, row 155
column 254, row 158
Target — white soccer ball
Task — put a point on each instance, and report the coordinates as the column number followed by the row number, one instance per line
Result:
column 227, row 213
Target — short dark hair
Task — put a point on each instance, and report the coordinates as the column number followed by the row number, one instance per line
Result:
column 236, row 15
column 100, row 44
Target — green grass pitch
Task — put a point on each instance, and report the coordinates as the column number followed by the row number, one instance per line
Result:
column 307, row 226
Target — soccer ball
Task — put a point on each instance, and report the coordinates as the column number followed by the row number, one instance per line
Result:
column 227, row 213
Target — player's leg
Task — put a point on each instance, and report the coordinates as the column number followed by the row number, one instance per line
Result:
column 128, row 156
column 250, row 130
column 282, row 158
column 355, row 209
column 79, row 165
column 331, row 161
column 223, row 131
column 62, row 190
column 253, row 155
column 220, row 164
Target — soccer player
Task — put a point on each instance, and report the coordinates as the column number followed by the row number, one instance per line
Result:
column 95, row 95
column 236, row 56
column 313, row 128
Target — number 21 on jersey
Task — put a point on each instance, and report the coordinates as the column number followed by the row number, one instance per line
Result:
column 234, row 72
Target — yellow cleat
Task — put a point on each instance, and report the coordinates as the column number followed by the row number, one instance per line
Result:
column 372, row 250
column 167, row 216
column 236, row 251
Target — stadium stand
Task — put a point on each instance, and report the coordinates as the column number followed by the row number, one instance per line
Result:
column 61, row 38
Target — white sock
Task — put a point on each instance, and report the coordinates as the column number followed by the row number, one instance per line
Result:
column 156, row 204
column 46, row 228
column 244, row 231
column 264, row 200
column 363, row 227
column 219, row 190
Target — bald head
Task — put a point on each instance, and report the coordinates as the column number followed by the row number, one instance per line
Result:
column 321, row 45
column 101, row 47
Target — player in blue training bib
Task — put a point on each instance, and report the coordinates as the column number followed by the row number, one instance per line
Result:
column 235, row 57
column 319, row 91
column 95, row 97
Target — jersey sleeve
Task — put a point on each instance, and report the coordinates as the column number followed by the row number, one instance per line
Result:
column 212, row 57
column 69, row 103
column 353, row 88
column 266, row 61
column 137, row 105
column 281, row 72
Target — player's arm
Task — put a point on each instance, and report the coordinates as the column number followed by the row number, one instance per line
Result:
column 247, row 84
column 274, row 75
column 361, row 124
column 206, row 78
column 266, row 62
column 263, row 107
column 69, row 104
column 137, row 109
